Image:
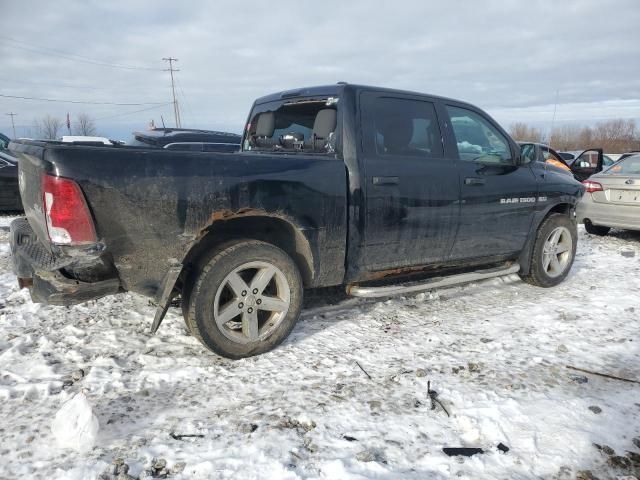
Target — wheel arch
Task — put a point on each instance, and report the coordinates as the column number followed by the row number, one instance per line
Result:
column 564, row 208
column 271, row 229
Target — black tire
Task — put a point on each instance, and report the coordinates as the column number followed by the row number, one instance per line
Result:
column 203, row 293
column 595, row 229
column 538, row 274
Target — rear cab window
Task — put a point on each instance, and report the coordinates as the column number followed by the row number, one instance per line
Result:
column 306, row 125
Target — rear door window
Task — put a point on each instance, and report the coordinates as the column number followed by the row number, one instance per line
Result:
column 401, row 127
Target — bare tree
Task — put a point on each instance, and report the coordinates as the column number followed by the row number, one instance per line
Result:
column 85, row 125
column 48, row 127
column 613, row 136
column 525, row 133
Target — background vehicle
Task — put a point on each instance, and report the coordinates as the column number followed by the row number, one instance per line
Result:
column 582, row 167
column 538, row 152
column 335, row 185
column 612, row 198
column 628, row 154
column 4, row 141
column 9, row 191
column 84, row 140
column 187, row 140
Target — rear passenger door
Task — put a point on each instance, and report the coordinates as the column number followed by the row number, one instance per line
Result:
column 411, row 187
column 498, row 193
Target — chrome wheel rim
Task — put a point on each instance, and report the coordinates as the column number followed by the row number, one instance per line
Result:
column 557, row 252
column 251, row 302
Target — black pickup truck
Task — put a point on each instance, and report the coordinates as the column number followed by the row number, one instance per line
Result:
column 380, row 190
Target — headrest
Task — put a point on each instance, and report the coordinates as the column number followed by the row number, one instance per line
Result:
column 266, row 124
column 397, row 132
column 325, row 122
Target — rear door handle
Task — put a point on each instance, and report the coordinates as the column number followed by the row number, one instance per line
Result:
column 386, row 180
column 474, row 181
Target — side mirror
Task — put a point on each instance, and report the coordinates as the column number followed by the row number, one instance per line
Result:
column 584, row 164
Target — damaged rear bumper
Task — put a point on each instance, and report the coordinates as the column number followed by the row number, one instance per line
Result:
column 50, row 277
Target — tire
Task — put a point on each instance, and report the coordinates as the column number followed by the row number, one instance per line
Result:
column 595, row 229
column 245, row 300
column 543, row 271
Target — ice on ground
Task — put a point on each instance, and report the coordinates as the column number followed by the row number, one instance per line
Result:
column 75, row 426
column 495, row 351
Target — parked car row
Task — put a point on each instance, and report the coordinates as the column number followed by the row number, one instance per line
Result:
column 9, row 191
column 166, row 138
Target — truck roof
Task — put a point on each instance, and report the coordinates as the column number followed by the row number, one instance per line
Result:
column 338, row 88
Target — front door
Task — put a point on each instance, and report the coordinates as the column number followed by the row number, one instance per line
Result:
column 411, row 188
column 498, row 192
column 587, row 163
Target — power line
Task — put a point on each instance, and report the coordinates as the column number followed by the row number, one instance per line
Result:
column 176, row 110
column 134, row 111
column 79, row 101
column 184, row 98
column 47, row 84
column 11, row 114
column 29, row 47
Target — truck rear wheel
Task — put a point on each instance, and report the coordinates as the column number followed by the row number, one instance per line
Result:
column 245, row 300
column 553, row 251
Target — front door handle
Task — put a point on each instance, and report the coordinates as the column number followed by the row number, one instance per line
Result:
column 386, row 180
column 474, row 181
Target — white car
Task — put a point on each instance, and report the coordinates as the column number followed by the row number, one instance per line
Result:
column 612, row 198
column 85, row 139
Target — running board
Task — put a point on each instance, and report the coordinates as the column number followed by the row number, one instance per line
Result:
column 430, row 284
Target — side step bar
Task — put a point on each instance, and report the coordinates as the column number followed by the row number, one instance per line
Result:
column 430, row 284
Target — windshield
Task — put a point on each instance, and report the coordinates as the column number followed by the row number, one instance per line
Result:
column 306, row 125
column 626, row 166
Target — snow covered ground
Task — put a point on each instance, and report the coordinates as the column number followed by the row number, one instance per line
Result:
column 495, row 351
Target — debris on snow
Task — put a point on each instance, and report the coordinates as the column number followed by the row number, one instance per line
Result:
column 433, row 395
column 365, row 372
column 180, row 436
column 75, row 426
column 605, row 375
column 462, row 451
column 580, row 379
column 502, row 447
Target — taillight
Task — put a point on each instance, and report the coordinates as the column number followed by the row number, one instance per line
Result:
column 68, row 218
column 592, row 186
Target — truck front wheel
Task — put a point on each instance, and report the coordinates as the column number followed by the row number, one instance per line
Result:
column 553, row 251
column 245, row 300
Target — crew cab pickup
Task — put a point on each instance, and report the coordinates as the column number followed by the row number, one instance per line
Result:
column 380, row 190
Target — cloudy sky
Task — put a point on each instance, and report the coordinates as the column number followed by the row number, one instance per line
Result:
column 511, row 57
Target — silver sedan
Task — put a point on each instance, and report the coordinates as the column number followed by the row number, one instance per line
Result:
column 612, row 198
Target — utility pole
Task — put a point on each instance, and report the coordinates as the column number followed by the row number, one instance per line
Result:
column 176, row 110
column 11, row 114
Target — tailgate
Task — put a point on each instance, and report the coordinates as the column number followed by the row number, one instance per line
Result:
column 30, row 169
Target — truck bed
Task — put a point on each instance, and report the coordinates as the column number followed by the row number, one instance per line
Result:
column 151, row 206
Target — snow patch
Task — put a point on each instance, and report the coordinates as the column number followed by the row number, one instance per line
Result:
column 75, row 426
